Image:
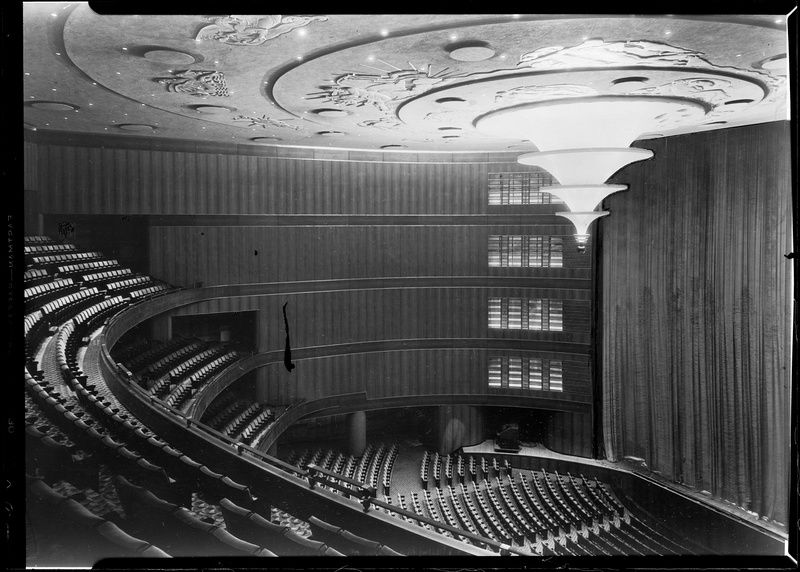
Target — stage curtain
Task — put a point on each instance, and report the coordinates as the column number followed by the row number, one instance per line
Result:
column 697, row 311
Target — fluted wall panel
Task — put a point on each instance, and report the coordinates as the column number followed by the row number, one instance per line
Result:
column 94, row 180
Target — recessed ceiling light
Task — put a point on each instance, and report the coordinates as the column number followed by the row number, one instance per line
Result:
column 503, row 56
column 384, row 32
column 27, row 73
column 53, row 14
column 453, row 37
column 779, row 21
column 667, row 32
column 53, row 89
column 299, row 57
column 124, row 49
column 738, row 55
column 515, row 16
column 371, row 58
column 58, row 53
column 302, row 32
column 584, row 38
column 91, row 104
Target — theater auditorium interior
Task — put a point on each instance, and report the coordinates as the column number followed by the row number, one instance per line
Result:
column 511, row 286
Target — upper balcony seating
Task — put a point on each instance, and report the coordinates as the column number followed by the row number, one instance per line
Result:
column 252, row 527
column 49, row 260
column 47, row 248
column 177, row 529
column 60, row 309
column 101, row 278
column 40, row 294
column 37, row 239
column 347, row 542
column 58, row 519
column 36, row 276
column 156, row 352
column 149, row 291
column 89, row 266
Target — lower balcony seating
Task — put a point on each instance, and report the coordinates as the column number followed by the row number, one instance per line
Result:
column 91, row 266
column 87, row 538
column 252, row 527
column 179, row 531
column 347, row 542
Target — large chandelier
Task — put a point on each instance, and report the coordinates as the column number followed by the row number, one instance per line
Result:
column 583, row 141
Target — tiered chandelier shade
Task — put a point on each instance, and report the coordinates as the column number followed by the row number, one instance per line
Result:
column 582, row 198
column 592, row 166
column 583, row 141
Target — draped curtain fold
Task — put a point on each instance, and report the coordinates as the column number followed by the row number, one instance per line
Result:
column 697, row 313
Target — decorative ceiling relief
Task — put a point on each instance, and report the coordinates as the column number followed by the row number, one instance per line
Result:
column 382, row 91
column 238, row 30
column 265, row 122
column 200, row 83
column 526, row 93
column 381, row 123
column 713, row 91
column 598, row 53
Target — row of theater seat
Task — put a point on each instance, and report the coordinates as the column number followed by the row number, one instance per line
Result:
column 47, row 248
column 43, row 293
column 61, row 520
column 68, row 258
column 91, row 266
column 37, row 239
column 106, row 276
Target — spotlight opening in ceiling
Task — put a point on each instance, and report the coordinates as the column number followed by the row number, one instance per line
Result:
column 450, row 136
column 164, row 55
column 330, row 112
column 715, row 123
column 264, row 139
column 451, row 101
column 136, row 127
column 630, row 79
column 449, row 128
column 394, row 146
column 330, row 133
column 470, row 51
column 211, row 109
column 384, row 32
column 738, row 101
column 52, row 105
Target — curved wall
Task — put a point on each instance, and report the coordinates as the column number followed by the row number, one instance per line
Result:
column 382, row 257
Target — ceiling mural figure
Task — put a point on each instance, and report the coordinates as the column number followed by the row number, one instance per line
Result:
column 200, row 83
column 381, row 90
column 599, row 53
column 238, row 30
column 711, row 90
column 530, row 93
column 265, row 122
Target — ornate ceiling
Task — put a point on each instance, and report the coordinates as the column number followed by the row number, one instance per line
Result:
column 389, row 82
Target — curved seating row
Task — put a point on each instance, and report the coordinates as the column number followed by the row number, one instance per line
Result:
column 49, row 247
column 67, row 258
column 176, row 528
column 106, row 276
column 90, row 266
column 87, row 536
